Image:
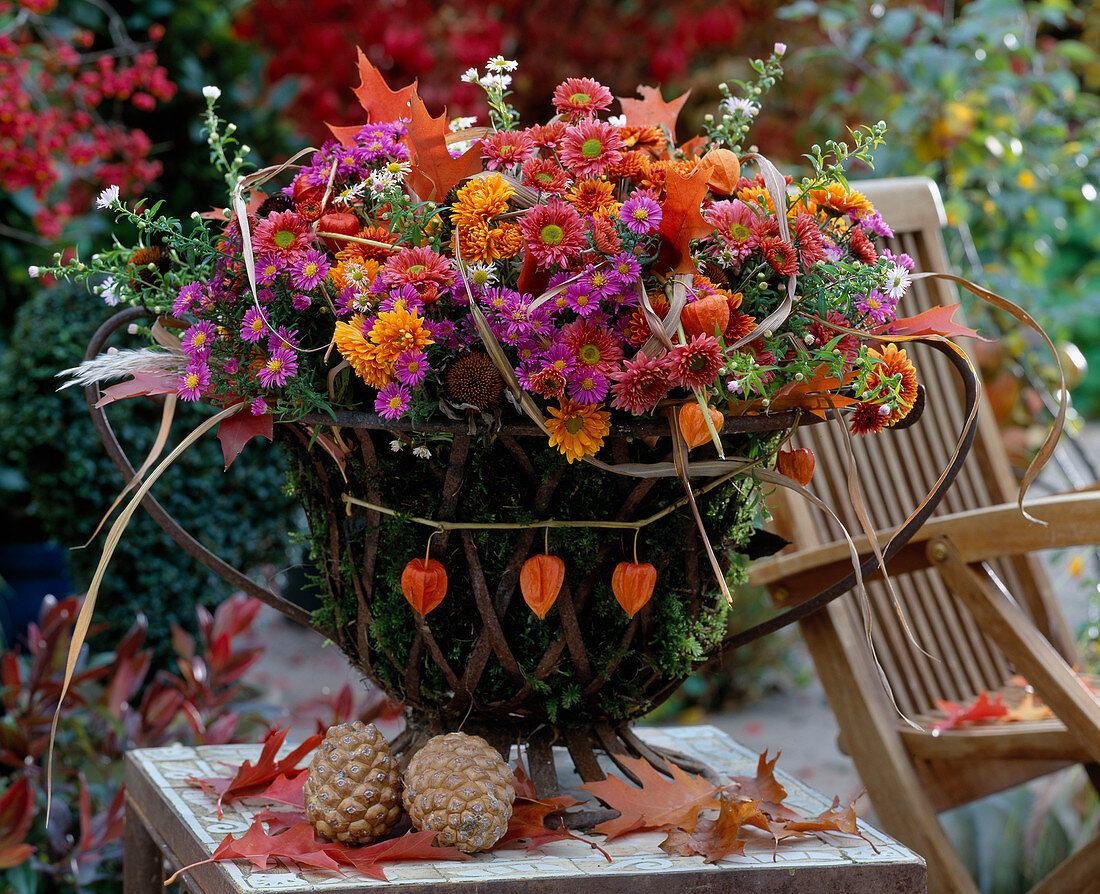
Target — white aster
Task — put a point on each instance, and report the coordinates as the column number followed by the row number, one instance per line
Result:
column 471, row 76
column 108, row 197
column 211, row 92
column 617, row 120
column 422, row 453
column 499, row 63
column 463, row 123
column 897, row 282
column 738, row 105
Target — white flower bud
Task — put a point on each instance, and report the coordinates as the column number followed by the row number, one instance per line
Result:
column 33, row 272
column 211, row 92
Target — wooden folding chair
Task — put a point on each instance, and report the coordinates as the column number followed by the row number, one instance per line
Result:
column 970, row 593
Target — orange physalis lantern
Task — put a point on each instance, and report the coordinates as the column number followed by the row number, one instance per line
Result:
column 694, row 428
column 424, row 583
column 633, row 583
column 723, row 171
column 706, row 316
column 540, row 581
column 797, row 464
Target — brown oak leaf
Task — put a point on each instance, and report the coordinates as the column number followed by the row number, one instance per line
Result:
column 660, row 802
column 714, row 838
column 934, row 321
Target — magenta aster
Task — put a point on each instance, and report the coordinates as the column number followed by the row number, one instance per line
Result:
column 253, row 326
column 695, row 364
column 392, row 401
column 588, row 387
column 554, row 233
column 591, row 146
column 198, row 339
column 640, row 384
column 268, row 267
column 195, row 381
column 280, row 366
column 309, row 269
column 641, row 214
column 411, row 367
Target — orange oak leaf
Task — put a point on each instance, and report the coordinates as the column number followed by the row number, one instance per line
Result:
column 240, row 428
column 661, row 801
column 527, row 827
column 763, row 787
column 1030, row 708
column 252, row 779
column 651, row 110
column 816, row 395
column 278, row 820
column 141, row 383
column 714, row 838
column 434, row 171
column 375, row 96
column 934, row 321
column 681, row 218
column 841, row 820
column 980, row 709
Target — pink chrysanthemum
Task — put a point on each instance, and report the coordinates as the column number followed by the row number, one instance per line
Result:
column 423, row 269
column 194, row 382
column 309, row 269
column 640, row 384
column 862, row 247
column 392, row 401
column 580, row 97
column 593, row 345
column 695, row 364
column 733, row 222
column 280, row 366
column 198, row 339
column 549, row 135
column 591, row 146
column 253, row 326
column 284, row 233
column 641, row 214
column 545, row 175
column 553, row 232
column 506, row 148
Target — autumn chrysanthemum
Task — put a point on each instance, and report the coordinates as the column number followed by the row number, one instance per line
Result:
column 578, row 97
column 780, row 255
column 862, row 247
column 554, row 233
column 835, row 197
column 590, row 196
column 577, row 429
column 360, row 354
column 594, row 346
column 481, row 199
column 640, row 383
column 398, row 330
column 695, row 364
column 893, row 362
column 637, row 329
column 739, row 326
column 590, row 147
column 421, row 268
column 506, row 148
column 284, row 232
column 544, row 175
column 867, row 419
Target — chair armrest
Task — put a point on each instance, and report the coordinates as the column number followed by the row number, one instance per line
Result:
column 1073, row 519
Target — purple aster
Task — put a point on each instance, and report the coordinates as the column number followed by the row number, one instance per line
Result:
column 599, row 281
column 876, row 306
column 194, row 382
column 392, row 401
column 902, row 260
column 581, row 299
column 625, row 268
column 268, row 267
column 259, row 407
column 187, row 298
column 283, row 338
column 406, row 295
column 282, row 365
column 641, row 214
column 253, row 326
column 515, row 315
column 265, row 296
column 309, row 269
column 588, row 387
column 300, row 302
column 875, row 225
column 197, row 340
column 411, row 367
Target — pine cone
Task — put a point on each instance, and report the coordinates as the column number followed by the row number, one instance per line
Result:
column 353, row 790
column 458, row 786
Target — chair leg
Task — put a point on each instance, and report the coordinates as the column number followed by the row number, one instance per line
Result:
column 1077, row 874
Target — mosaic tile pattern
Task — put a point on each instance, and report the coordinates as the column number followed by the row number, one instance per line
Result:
column 169, row 769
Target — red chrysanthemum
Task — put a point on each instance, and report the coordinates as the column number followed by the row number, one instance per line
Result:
column 739, row 326
column 807, row 237
column 862, row 247
column 695, row 364
column 421, row 268
column 637, row 329
column 640, row 384
column 579, row 97
column 780, row 255
column 605, row 237
column 549, row 135
column 593, row 345
column 545, row 175
column 867, row 419
column 590, row 147
column 283, row 233
column 554, row 233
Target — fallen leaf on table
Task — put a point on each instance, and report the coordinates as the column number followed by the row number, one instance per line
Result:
column 763, row 787
column 715, row 838
column 289, row 790
column 837, row 819
column 1029, row 709
column 980, row 709
column 660, row 802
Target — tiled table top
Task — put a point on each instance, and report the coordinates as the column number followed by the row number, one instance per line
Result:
column 185, row 821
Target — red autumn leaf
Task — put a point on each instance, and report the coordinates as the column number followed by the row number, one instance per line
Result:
column 659, row 802
column 681, row 218
column 287, row 789
column 410, row 846
column 980, row 709
column 834, row 819
column 527, row 827
column 935, row 321
column 434, row 171
column 714, row 838
column 141, row 383
column 252, row 779
column 279, row 820
column 651, row 110
column 240, row 428
column 16, row 816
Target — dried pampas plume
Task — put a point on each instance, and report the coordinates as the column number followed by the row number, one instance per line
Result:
column 116, row 364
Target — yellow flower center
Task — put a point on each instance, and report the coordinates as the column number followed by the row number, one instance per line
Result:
column 640, row 213
column 276, row 366
column 417, row 268
column 192, row 381
column 199, row 339
column 310, row 269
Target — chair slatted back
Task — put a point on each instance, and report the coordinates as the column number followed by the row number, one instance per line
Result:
column 896, row 469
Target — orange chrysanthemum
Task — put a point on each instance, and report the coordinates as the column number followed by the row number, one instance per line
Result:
column 739, row 326
column 637, row 330
column 756, row 196
column 842, row 201
column 361, row 354
column 359, row 251
column 642, row 136
column 631, row 166
column 590, row 196
column 893, row 362
column 399, row 330
column 577, row 429
column 483, row 244
column 480, row 200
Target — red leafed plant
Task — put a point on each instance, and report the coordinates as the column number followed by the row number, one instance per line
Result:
column 113, row 704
